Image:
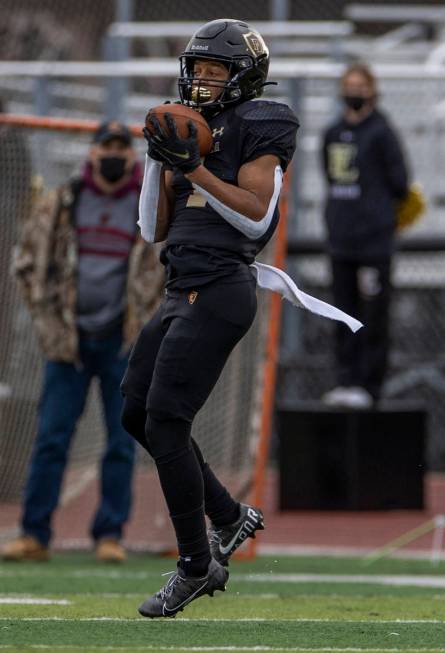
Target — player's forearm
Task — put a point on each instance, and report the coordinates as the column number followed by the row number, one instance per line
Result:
column 238, row 199
column 162, row 227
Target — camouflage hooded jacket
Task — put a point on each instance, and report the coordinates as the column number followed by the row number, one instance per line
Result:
column 45, row 265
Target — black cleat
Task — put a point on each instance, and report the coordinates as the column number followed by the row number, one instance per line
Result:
column 224, row 540
column 182, row 590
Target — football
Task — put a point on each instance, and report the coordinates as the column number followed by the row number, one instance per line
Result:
column 182, row 115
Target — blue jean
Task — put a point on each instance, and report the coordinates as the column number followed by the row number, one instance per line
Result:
column 62, row 402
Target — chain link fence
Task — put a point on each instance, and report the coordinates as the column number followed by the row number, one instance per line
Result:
column 60, row 30
column 227, row 428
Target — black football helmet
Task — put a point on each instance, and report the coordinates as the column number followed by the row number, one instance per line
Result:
column 241, row 49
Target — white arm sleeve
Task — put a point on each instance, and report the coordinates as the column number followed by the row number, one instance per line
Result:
column 149, row 199
column 253, row 229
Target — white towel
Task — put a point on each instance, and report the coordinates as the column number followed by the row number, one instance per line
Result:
column 275, row 279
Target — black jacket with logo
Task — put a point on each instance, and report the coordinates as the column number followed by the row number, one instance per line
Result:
column 366, row 173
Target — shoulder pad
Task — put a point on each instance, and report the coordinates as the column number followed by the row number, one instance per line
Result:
column 268, row 128
column 266, row 110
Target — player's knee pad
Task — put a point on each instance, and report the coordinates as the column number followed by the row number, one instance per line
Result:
column 167, row 439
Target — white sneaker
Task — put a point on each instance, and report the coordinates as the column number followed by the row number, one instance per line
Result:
column 5, row 391
column 334, row 397
column 358, row 397
column 350, row 397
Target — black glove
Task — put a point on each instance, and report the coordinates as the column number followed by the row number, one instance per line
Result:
column 151, row 150
column 181, row 153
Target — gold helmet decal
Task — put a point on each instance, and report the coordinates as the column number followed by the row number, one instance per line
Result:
column 255, row 43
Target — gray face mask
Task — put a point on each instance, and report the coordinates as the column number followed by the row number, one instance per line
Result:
column 354, row 102
column 112, row 168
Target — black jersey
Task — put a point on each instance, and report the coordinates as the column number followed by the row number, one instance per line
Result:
column 201, row 246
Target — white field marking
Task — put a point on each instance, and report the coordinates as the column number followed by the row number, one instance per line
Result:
column 127, row 595
column 80, row 573
column 114, row 574
column 337, row 551
column 31, row 600
column 416, row 581
column 114, row 595
column 241, row 595
column 395, row 580
column 295, row 649
column 179, row 620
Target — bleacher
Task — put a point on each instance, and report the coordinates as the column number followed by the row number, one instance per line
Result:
column 404, row 57
column 136, row 67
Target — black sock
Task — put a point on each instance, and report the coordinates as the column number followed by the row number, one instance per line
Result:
column 220, row 507
column 194, row 553
column 182, row 483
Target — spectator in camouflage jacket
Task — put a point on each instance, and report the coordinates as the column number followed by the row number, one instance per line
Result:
column 90, row 282
column 45, row 264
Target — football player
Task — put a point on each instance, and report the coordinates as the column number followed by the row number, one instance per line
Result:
column 215, row 216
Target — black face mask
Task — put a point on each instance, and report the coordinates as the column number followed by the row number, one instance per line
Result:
column 354, row 102
column 112, row 168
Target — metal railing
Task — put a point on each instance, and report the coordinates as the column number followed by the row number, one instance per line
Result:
column 387, row 13
column 268, row 29
column 282, row 68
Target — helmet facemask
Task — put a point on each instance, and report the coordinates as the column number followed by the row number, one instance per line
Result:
column 194, row 92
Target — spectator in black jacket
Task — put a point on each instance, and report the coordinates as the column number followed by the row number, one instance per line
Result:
column 366, row 174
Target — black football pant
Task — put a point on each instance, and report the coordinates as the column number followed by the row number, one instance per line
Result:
column 363, row 291
column 174, row 365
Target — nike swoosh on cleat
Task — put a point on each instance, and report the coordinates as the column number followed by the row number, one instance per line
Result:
column 185, row 602
column 226, row 549
column 179, row 154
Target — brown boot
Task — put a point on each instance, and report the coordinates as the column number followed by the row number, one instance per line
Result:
column 25, row 547
column 109, row 549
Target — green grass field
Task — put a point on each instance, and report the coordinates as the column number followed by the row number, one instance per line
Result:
column 73, row 604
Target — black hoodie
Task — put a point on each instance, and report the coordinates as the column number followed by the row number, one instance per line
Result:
column 366, row 173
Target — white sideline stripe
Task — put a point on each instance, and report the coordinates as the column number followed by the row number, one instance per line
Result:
column 233, row 648
column 180, row 620
column 136, row 595
column 416, row 581
column 31, row 600
column 395, row 580
column 80, row 573
column 337, row 551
